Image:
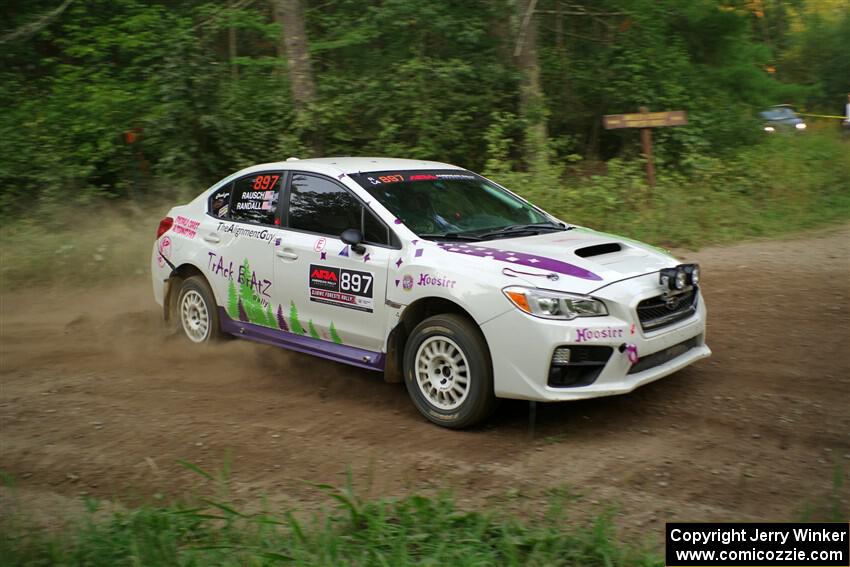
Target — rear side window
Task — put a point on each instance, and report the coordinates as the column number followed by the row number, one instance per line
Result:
column 255, row 198
column 220, row 200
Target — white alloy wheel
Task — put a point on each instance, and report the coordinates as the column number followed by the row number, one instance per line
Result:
column 195, row 316
column 442, row 372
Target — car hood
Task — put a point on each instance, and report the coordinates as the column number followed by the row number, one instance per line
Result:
column 578, row 260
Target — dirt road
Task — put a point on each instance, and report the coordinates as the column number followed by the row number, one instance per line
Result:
column 95, row 399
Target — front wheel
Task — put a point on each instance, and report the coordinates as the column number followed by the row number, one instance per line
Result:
column 448, row 373
column 197, row 310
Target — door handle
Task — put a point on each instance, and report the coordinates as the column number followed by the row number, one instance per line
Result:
column 212, row 238
column 286, row 254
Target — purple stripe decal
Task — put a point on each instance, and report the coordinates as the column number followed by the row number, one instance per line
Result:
column 300, row 343
column 521, row 259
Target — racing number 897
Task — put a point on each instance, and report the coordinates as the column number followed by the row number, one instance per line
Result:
column 355, row 283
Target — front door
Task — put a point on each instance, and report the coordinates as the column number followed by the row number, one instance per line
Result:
column 334, row 293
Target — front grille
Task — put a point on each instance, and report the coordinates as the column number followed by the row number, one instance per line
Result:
column 657, row 312
column 663, row 356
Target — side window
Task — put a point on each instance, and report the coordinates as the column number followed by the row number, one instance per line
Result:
column 219, row 201
column 255, row 198
column 319, row 205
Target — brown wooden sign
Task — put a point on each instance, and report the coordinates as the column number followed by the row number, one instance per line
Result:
column 646, row 120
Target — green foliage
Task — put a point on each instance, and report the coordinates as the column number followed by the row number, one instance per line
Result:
column 416, row 79
column 412, row 531
column 817, row 58
column 786, row 183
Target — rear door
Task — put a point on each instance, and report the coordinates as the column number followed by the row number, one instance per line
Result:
column 241, row 246
column 333, row 293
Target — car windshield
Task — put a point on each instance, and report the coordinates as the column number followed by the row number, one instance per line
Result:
column 452, row 203
column 781, row 113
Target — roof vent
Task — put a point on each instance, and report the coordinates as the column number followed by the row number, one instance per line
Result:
column 292, row 158
column 598, row 249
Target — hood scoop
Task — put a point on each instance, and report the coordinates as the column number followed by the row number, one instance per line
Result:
column 598, row 249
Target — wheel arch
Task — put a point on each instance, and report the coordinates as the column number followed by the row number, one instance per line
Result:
column 412, row 315
column 172, row 286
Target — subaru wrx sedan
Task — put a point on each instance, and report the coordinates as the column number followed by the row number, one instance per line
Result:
column 432, row 274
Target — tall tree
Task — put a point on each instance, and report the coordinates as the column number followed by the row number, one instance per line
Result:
column 532, row 107
column 294, row 47
column 232, row 49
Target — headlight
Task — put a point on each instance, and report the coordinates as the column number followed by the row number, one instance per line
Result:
column 553, row 304
column 800, row 126
column 768, row 128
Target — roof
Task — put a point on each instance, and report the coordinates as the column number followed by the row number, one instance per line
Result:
column 356, row 164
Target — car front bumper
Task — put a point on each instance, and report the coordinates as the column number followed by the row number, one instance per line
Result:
column 522, row 346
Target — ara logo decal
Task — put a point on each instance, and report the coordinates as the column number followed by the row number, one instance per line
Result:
column 323, row 275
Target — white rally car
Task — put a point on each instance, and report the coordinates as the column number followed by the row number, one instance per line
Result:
column 429, row 273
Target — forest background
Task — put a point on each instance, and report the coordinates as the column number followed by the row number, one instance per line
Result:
column 112, row 107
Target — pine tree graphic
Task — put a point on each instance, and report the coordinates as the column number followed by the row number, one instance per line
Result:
column 281, row 322
column 232, row 301
column 243, row 316
column 313, row 332
column 334, row 335
column 250, row 301
column 294, row 323
column 270, row 320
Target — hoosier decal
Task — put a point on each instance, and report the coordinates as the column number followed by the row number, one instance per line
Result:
column 338, row 286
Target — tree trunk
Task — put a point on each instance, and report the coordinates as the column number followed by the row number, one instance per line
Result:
column 531, row 105
column 231, row 51
column 293, row 46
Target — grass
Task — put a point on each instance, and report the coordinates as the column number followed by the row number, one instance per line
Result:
column 415, row 530
column 412, row 531
column 786, row 184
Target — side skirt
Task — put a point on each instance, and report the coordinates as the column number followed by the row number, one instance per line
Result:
column 352, row 356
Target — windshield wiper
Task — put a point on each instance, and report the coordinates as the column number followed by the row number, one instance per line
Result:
column 521, row 228
column 451, row 236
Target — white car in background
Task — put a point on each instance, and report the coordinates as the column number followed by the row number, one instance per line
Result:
column 432, row 274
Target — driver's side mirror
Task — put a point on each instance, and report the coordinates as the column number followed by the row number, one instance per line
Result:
column 353, row 238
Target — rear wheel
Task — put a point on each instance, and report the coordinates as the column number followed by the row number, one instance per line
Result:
column 448, row 373
column 197, row 311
